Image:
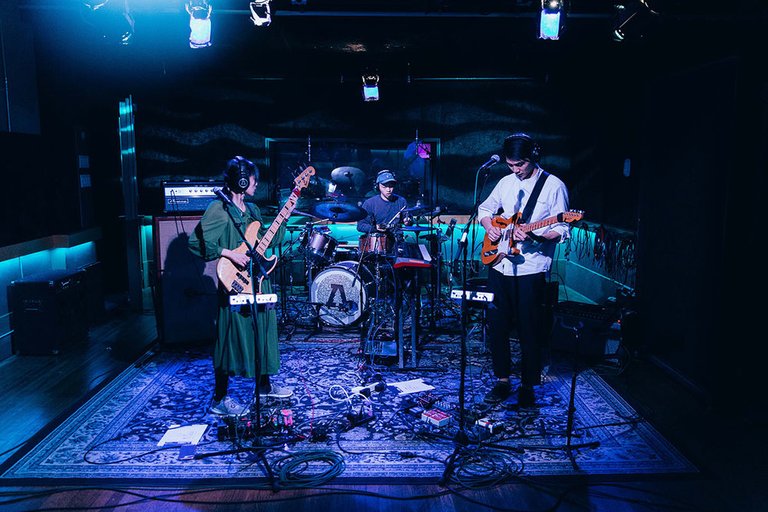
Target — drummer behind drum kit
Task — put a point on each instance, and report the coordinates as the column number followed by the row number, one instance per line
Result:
column 346, row 280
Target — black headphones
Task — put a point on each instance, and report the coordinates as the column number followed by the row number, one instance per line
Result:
column 237, row 174
column 535, row 149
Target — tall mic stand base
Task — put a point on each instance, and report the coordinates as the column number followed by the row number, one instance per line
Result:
column 460, row 440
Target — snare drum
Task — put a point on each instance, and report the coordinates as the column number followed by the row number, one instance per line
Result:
column 320, row 248
column 377, row 243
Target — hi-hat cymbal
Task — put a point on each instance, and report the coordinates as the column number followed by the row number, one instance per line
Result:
column 348, row 176
column 339, row 211
column 418, row 208
column 418, row 229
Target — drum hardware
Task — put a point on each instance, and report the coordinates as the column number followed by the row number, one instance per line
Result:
column 418, row 229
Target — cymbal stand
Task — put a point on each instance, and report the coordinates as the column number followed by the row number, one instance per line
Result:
column 373, row 304
column 283, row 258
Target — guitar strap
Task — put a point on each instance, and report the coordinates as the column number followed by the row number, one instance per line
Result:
column 528, row 211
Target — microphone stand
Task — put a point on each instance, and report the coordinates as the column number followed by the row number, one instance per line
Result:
column 462, row 439
column 259, row 452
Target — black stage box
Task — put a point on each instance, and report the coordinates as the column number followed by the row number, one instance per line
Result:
column 587, row 330
column 48, row 311
column 93, row 283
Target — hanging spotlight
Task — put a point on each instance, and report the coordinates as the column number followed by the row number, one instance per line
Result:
column 199, row 23
column 111, row 18
column 632, row 20
column 261, row 13
column 550, row 19
column 370, row 87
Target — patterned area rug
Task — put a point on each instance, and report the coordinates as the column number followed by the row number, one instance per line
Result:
column 114, row 435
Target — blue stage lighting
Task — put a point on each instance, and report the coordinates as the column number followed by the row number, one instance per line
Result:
column 371, row 87
column 261, row 13
column 550, row 19
column 199, row 23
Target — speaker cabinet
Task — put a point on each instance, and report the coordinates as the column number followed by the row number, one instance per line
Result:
column 48, row 312
column 590, row 331
column 186, row 285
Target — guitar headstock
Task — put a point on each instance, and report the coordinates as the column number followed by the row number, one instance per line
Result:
column 302, row 180
column 572, row 215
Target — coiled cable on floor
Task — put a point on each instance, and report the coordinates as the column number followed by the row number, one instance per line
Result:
column 484, row 467
column 299, row 469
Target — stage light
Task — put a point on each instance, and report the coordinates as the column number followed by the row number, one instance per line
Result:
column 550, row 19
column 112, row 18
column 261, row 13
column 199, row 23
column 632, row 20
column 370, row 87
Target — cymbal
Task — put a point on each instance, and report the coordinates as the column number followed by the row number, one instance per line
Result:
column 418, row 228
column 418, row 208
column 348, row 176
column 339, row 211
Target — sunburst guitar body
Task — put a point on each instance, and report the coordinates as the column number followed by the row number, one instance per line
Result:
column 505, row 245
column 238, row 280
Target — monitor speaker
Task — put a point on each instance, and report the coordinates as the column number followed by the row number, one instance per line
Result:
column 186, row 285
column 588, row 330
column 48, row 312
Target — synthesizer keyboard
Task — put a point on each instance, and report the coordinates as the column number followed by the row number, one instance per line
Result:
column 412, row 255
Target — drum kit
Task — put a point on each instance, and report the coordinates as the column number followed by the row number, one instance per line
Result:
column 348, row 282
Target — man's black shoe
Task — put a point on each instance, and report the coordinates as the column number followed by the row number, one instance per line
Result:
column 525, row 397
column 498, row 394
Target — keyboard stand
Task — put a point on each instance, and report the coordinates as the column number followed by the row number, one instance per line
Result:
column 414, row 286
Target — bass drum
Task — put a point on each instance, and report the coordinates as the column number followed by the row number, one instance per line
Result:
column 343, row 290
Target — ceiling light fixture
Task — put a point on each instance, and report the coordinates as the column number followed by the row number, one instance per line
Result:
column 199, row 23
column 261, row 13
column 551, row 19
column 371, row 87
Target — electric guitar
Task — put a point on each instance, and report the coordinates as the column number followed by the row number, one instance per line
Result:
column 506, row 245
column 239, row 280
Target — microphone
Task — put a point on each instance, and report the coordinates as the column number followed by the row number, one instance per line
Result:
column 449, row 231
column 490, row 163
column 462, row 243
column 221, row 195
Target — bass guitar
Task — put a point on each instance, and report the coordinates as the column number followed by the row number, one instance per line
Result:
column 239, row 280
column 506, row 246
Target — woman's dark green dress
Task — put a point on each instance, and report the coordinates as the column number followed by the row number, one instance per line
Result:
column 236, row 345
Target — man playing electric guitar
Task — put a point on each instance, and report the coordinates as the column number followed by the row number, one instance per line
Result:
column 237, row 345
column 518, row 280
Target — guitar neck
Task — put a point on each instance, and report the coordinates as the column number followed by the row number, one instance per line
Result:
column 285, row 212
column 539, row 223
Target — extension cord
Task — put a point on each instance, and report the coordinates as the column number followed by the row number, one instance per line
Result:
column 355, row 420
column 376, row 386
